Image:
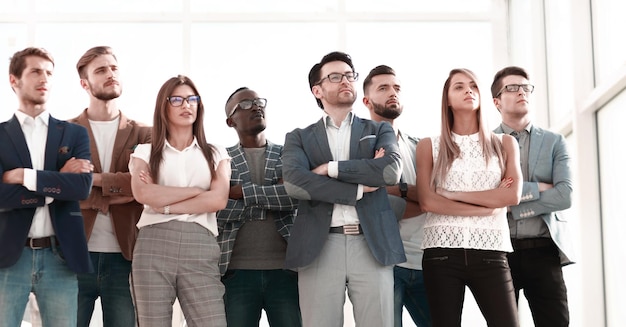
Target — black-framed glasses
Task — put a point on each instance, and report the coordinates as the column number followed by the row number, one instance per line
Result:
column 528, row 88
column 337, row 77
column 177, row 101
column 247, row 104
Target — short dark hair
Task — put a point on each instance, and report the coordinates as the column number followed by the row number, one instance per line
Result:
column 378, row 70
column 496, row 86
column 230, row 97
column 89, row 56
column 18, row 60
column 314, row 74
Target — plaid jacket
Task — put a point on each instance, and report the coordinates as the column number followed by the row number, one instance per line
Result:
column 257, row 199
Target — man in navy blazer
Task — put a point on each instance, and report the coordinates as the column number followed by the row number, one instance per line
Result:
column 539, row 234
column 45, row 171
column 345, row 233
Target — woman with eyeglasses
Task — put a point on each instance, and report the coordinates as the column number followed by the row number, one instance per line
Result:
column 182, row 182
column 466, row 178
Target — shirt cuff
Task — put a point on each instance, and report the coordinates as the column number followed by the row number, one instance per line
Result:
column 359, row 192
column 333, row 169
column 30, row 179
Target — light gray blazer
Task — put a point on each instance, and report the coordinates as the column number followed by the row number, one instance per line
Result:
column 308, row 148
column 548, row 162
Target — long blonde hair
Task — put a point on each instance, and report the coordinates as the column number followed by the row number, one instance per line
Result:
column 448, row 150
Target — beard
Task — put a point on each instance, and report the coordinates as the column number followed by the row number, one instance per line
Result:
column 389, row 112
column 103, row 95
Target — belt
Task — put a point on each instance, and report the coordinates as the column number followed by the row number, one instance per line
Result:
column 40, row 243
column 531, row 243
column 347, row 229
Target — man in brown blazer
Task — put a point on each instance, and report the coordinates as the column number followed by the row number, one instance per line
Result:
column 110, row 212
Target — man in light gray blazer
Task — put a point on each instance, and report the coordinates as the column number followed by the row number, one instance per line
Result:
column 345, row 233
column 538, row 229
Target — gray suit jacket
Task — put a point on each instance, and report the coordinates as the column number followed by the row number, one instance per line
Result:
column 308, row 148
column 548, row 162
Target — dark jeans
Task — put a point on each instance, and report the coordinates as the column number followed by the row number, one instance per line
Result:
column 409, row 291
column 109, row 282
column 250, row 291
column 538, row 272
column 486, row 273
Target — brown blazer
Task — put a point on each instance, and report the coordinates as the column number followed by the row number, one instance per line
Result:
column 124, row 217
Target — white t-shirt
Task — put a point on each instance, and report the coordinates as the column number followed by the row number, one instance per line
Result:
column 102, row 237
column 186, row 168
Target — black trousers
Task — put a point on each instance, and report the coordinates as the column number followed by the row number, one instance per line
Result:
column 537, row 270
column 486, row 273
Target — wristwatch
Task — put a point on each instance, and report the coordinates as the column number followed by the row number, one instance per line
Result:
column 404, row 188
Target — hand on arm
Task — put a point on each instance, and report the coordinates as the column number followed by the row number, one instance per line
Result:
column 77, row 166
column 429, row 200
column 13, row 176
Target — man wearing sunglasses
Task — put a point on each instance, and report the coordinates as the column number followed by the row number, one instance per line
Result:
column 255, row 225
column 110, row 212
column 539, row 234
column 345, row 234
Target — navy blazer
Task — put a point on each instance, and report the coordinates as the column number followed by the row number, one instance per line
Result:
column 548, row 162
column 18, row 204
column 308, row 148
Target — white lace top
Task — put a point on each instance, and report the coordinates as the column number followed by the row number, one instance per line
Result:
column 468, row 173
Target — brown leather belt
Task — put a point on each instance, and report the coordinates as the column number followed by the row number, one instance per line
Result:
column 347, row 229
column 39, row 243
column 531, row 243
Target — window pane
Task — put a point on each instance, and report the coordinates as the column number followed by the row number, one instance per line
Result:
column 110, row 6
column 609, row 45
column 420, row 6
column 612, row 180
column 276, row 6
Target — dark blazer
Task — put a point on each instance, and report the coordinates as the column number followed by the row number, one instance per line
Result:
column 18, row 204
column 548, row 162
column 308, row 148
column 115, row 182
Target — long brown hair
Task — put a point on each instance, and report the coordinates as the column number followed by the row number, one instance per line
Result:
column 160, row 125
column 448, row 150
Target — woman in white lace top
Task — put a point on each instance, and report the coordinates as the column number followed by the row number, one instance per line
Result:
column 466, row 178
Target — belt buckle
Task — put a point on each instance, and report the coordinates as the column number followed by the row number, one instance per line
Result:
column 351, row 229
column 32, row 245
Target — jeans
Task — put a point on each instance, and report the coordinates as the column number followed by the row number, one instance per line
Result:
column 486, row 273
column 44, row 272
column 250, row 291
column 109, row 282
column 409, row 291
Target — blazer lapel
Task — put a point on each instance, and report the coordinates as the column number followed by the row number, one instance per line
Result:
column 355, row 137
column 322, row 141
column 536, row 141
column 95, row 158
column 14, row 130
column 55, row 133
column 122, row 135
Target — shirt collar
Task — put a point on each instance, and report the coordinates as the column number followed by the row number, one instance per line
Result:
column 194, row 144
column 349, row 119
column 44, row 117
column 508, row 130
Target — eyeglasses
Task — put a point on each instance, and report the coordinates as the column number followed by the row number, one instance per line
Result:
column 247, row 104
column 337, row 77
column 528, row 88
column 177, row 101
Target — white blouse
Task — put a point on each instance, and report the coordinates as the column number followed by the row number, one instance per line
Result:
column 186, row 168
column 469, row 172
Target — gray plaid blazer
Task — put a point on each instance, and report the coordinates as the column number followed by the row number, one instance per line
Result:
column 257, row 199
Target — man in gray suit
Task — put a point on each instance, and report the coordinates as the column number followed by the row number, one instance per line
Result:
column 538, row 228
column 345, row 233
